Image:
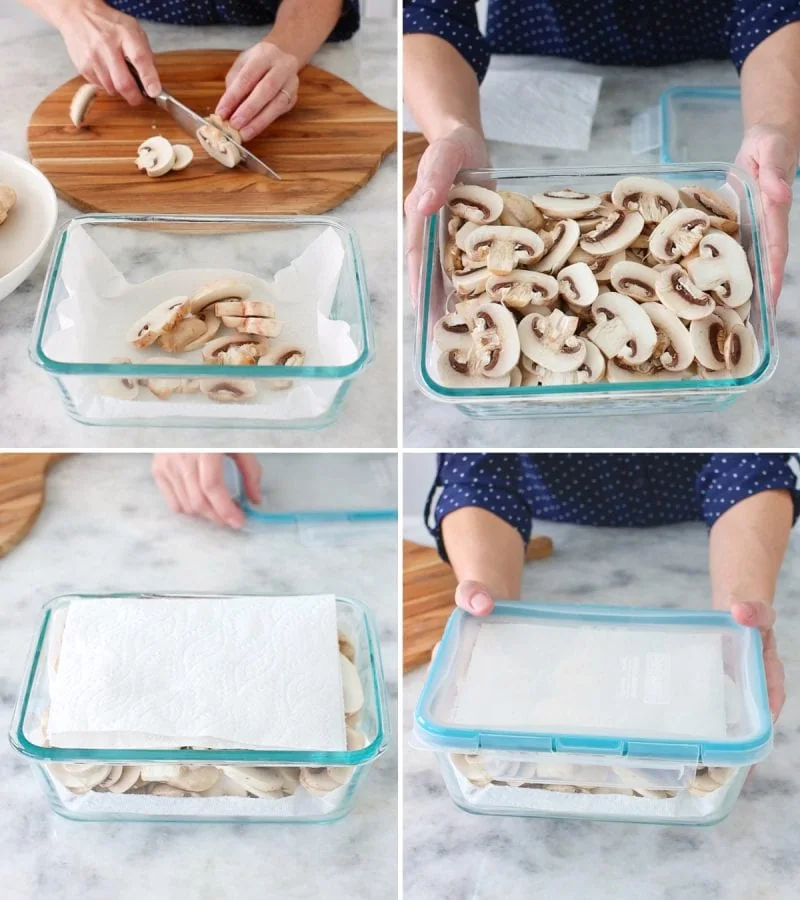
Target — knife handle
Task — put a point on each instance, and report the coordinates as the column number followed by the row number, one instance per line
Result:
column 137, row 79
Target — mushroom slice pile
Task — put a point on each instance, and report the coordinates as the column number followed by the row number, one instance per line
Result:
column 157, row 156
column 653, row 199
column 623, row 329
column 8, row 200
column 576, row 267
column 503, row 247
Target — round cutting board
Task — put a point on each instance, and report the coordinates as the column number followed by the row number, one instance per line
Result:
column 21, row 494
column 325, row 149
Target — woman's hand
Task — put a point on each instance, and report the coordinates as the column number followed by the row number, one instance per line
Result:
column 261, row 86
column 769, row 156
column 762, row 617
column 474, row 598
column 461, row 148
column 193, row 484
column 99, row 40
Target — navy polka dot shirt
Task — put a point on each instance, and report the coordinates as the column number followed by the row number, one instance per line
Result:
column 618, row 32
column 227, row 12
column 623, row 489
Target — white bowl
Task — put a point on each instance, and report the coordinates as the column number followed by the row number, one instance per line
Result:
column 26, row 232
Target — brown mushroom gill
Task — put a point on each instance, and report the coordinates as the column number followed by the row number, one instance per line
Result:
column 461, row 328
column 681, row 288
column 567, row 346
column 716, row 338
column 627, row 283
column 456, row 363
column 610, row 225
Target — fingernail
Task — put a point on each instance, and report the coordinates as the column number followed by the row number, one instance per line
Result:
column 236, row 121
column 425, row 200
column 152, row 88
column 480, row 604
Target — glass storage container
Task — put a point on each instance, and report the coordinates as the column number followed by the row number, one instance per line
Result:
column 600, row 398
column 295, row 797
column 581, row 712
column 108, row 270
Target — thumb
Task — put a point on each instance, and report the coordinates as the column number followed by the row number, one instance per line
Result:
column 250, row 469
column 437, row 169
column 754, row 615
column 773, row 183
column 474, row 598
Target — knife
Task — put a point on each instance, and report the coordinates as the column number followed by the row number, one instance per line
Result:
column 189, row 121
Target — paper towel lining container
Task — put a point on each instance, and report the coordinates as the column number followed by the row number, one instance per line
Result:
column 354, row 620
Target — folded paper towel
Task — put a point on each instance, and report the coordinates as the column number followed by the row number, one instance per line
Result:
column 259, row 673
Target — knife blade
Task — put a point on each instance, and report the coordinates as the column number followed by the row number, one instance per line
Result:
column 189, row 121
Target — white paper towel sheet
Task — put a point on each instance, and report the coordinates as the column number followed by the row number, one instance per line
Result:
column 537, row 108
column 99, row 305
column 257, row 673
column 622, row 681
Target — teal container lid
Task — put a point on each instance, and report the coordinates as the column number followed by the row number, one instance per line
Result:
column 678, row 685
column 316, row 488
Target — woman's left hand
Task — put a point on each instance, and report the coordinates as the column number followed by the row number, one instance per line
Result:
column 762, row 617
column 769, row 156
column 261, row 86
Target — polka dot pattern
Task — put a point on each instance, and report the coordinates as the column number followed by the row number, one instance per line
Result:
column 618, row 32
column 610, row 489
column 227, row 12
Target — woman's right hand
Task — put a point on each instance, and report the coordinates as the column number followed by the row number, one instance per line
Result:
column 474, row 598
column 99, row 39
column 461, row 148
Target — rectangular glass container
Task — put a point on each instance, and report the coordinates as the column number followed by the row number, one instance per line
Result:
column 142, row 247
column 356, row 627
column 555, row 766
column 601, row 398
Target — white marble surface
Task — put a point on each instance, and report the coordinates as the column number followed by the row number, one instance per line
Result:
column 755, row 853
column 765, row 417
column 33, row 63
column 104, row 527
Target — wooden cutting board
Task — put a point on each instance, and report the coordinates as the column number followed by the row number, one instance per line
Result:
column 414, row 145
column 22, row 478
column 325, row 149
column 428, row 590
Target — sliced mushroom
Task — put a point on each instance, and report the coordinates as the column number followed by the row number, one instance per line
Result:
column 519, row 211
column 678, row 234
column 566, row 203
column 186, row 332
column 351, row 685
column 674, row 348
column 158, row 789
column 155, row 156
column 615, row 232
column 515, row 377
column 458, row 369
column 601, row 266
column 260, row 781
column 565, row 237
column 186, row 778
column 287, row 355
column 521, row 287
column 224, row 787
column 623, row 329
column 463, row 233
column 212, row 325
column 355, row 741
column 475, row 204
column 550, row 341
column 675, row 289
column 589, row 371
column 708, row 338
column 80, row 104
column 317, row 781
column 503, row 247
column 79, row 777
column 471, row 284
column 722, row 268
column 183, row 156
column 709, row 202
column 218, row 145
column 125, row 781
column 346, row 647
column 577, row 286
column 163, row 387
column 495, row 340
column 217, row 291
column 225, row 126
column 246, row 308
column 234, row 351
column 8, row 200
column 617, row 372
column 470, row 767
column 120, row 388
column 160, row 320
column 741, row 351
column 228, row 390
column 652, row 198
column 634, row 280
column 270, row 328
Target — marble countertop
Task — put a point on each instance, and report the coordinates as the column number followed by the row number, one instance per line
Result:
column 765, row 417
column 754, row 853
column 33, row 415
column 105, row 528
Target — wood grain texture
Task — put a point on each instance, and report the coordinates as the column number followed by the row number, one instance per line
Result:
column 22, row 477
column 429, row 587
column 325, row 149
column 414, row 145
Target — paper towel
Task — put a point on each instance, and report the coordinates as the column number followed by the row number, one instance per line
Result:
column 604, row 680
column 98, row 305
column 535, row 107
column 258, row 673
